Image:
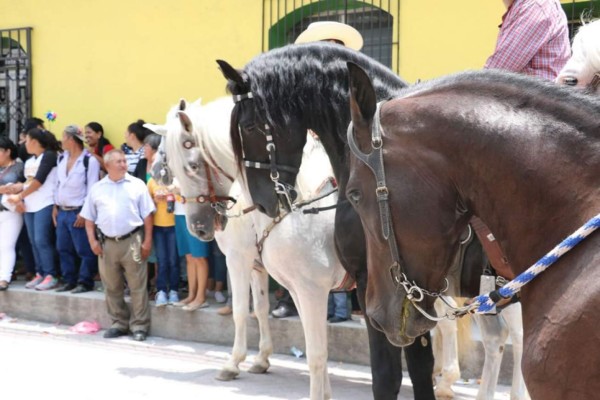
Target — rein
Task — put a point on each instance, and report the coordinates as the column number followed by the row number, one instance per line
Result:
column 374, row 161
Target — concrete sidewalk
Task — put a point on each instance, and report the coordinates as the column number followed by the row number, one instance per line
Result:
column 347, row 340
column 49, row 361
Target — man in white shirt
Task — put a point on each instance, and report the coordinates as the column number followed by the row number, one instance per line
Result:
column 120, row 207
column 77, row 171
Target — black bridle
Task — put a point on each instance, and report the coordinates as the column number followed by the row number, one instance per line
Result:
column 281, row 188
column 374, row 161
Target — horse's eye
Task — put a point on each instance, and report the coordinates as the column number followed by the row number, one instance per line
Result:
column 570, row 81
column 354, row 196
column 193, row 166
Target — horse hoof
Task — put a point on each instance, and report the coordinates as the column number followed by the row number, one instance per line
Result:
column 258, row 369
column 444, row 394
column 225, row 375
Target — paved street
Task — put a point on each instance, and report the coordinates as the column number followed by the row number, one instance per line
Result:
column 47, row 361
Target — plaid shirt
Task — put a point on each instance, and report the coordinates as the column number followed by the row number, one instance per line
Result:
column 533, row 39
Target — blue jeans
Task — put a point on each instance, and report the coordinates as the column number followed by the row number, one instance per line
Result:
column 42, row 238
column 337, row 305
column 217, row 264
column 71, row 243
column 168, row 260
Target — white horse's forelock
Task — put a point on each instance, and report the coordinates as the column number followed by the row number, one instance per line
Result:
column 586, row 44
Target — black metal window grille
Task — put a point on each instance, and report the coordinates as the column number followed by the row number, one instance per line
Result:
column 373, row 19
column 15, row 80
column 580, row 11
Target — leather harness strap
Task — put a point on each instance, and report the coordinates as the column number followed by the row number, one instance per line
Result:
column 495, row 254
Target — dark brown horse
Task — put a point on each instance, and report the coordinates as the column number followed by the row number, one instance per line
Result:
column 521, row 154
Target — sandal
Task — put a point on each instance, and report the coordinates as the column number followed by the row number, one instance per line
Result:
column 3, row 285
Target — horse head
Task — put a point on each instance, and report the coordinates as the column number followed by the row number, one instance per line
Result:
column 269, row 161
column 404, row 272
column 194, row 175
column 583, row 68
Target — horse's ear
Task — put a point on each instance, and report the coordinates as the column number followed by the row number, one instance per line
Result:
column 363, row 103
column 186, row 122
column 230, row 73
column 182, row 104
column 160, row 129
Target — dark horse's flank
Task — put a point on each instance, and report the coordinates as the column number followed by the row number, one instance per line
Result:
column 302, row 87
column 521, row 154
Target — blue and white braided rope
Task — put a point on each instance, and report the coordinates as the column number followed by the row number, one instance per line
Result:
column 484, row 303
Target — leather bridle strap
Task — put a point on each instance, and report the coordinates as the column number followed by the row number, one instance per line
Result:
column 374, row 161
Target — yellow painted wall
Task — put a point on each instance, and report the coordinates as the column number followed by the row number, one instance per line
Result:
column 439, row 37
column 115, row 61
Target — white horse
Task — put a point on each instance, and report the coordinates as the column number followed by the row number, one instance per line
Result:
column 298, row 251
column 494, row 329
column 583, row 68
column 238, row 245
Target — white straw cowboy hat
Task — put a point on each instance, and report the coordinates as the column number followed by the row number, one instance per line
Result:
column 328, row 30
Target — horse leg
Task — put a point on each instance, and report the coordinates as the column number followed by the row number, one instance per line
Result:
column 494, row 333
column 260, row 297
column 239, row 274
column 513, row 317
column 449, row 370
column 311, row 303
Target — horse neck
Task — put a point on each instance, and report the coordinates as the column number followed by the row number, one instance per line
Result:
column 213, row 134
column 524, row 183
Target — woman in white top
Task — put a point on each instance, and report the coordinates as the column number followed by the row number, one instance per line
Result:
column 37, row 200
column 11, row 221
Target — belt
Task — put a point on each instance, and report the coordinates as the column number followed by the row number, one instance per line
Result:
column 123, row 237
column 61, row 208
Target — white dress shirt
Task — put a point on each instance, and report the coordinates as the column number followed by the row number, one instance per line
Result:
column 118, row 207
column 71, row 189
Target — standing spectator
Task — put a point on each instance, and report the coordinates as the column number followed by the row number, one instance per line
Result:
column 165, row 244
column 30, row 123
column 11, row 221
column 196, row 255
column 119, row 206
column 134, row 138
column 533, row 39
column 217, row 273
column 77, row 171
column 37, row 200
column 337, row 307
column 99, row 145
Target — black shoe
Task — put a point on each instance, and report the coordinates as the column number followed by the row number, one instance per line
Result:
column 66, row 287
column 81, row 288
column 114, row 333
column 284, row 311
column 140, row 336
column 335, row 320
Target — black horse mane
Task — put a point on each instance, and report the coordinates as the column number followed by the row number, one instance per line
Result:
column 517, row 90
column 308, row 80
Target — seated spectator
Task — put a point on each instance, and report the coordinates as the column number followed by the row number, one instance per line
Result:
column 11, row 221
